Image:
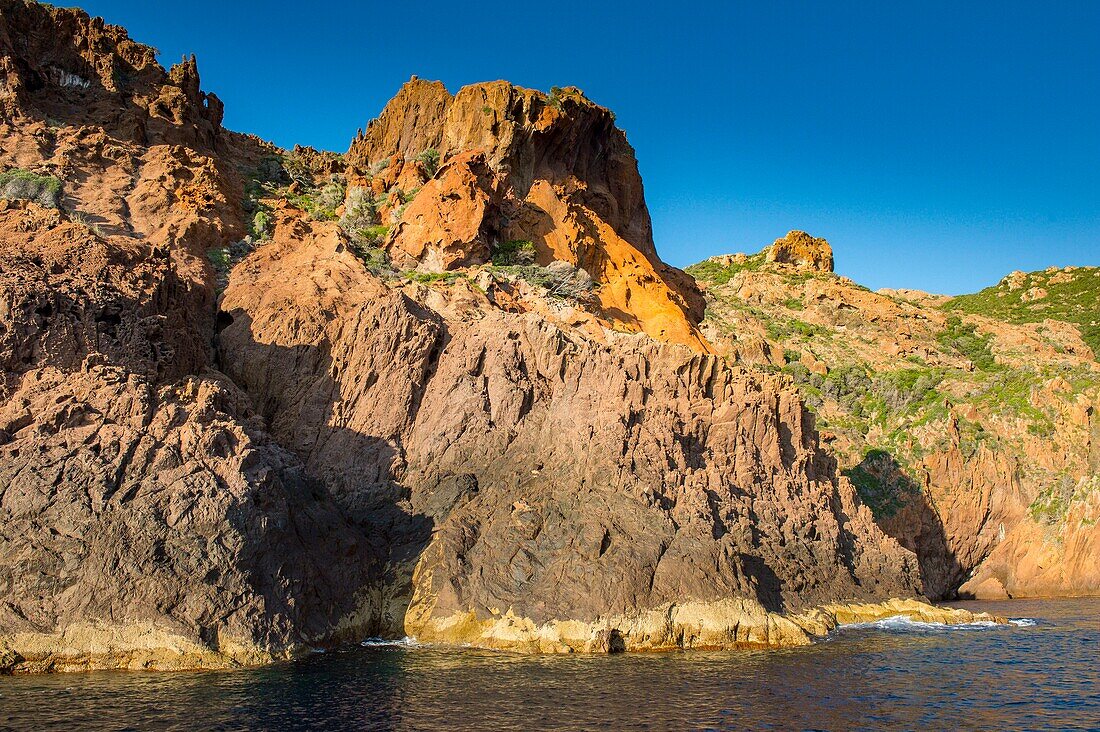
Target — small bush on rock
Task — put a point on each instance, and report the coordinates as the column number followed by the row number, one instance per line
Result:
column 560, row 279
column 429, row 159
column 19, row 184
column 260, row 227
column 508, row 254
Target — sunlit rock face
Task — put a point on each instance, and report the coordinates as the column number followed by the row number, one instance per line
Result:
column 241, row 417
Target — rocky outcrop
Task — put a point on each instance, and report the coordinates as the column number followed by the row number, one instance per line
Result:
column 60, row 63
column 559, row 175
column 561, row 480
column 207, row 465
column 969, row 433
column 451, row 222
column 801, row 250
column 147, row 520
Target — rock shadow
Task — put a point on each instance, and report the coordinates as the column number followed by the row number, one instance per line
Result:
column 354, row 530
column 904, row 510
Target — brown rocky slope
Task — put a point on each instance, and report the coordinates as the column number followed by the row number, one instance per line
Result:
column 968, row 424
column 231, row 428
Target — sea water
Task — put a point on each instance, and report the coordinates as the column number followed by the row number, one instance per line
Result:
column 1040, row 672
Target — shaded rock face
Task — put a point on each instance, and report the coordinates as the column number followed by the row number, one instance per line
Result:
column 133, row 494
column 560, row 479
column 137, row 488
column 566, row 180
column 197, row 478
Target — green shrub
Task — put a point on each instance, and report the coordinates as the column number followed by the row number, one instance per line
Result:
column 260, row 227
column 219, row 259
column 882, row 483
column 1073, row 297
column 906, row 388
column 84, row 219
column 329, row 198
column 374, row 235
column 512, row 253
column 19, row 184
column 428, row 278
column 963, row 339
column 374, row 258
column 429, row 159
column 560, row 279
column 1053, row 502
column 794, row 304
column 360, row 213
column 713, row 271
column 319, row 204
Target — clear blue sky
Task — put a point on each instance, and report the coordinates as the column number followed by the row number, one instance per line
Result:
column 935, row 145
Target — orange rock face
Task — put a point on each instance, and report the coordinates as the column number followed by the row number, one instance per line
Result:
column 450, row 223
column 802, row 250
column 995, row 492
column 552, row 171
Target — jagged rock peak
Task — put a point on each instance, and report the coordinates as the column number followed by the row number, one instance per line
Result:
column 63, row 64
column 550, row 171
column 803, row 251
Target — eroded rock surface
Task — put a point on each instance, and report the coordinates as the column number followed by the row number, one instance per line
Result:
column 561, row 479
column 968, row 424
column 554, row 171
column 231, row 429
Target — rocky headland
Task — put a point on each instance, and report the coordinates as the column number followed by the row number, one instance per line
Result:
column 256, row 401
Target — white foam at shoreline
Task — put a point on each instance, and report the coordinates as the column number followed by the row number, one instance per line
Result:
column 904, row 623
column 406, row 642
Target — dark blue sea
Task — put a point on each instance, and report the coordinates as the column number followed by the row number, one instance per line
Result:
column 1042, row 673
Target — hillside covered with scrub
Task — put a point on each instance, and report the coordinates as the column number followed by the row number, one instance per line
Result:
column 968, row 424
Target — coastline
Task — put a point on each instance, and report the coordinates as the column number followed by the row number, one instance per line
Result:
column 728, row 624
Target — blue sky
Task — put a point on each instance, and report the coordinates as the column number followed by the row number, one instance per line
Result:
column 935, row 145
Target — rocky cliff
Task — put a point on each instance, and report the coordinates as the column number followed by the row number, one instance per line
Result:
column 967, row 424
column 255, row 401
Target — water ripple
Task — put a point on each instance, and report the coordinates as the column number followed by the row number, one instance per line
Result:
column 1038, row 674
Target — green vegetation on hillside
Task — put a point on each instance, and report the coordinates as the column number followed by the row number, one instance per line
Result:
column 963, row 339
column 714, row 271
column 429, row 159
column 560, row 279
column 882, row 482
column 19, row 184
column 1073, row 297
column 1053, row 503
column 512, row 253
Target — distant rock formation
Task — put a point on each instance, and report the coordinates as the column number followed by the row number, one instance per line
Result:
column 803, row 251
column 968, row 424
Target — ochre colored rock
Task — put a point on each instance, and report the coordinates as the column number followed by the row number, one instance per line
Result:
column 803, row 251
column 994, row 493
column 207, row 463
column 450, row 222
column 540, row 472
column 562, row 176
